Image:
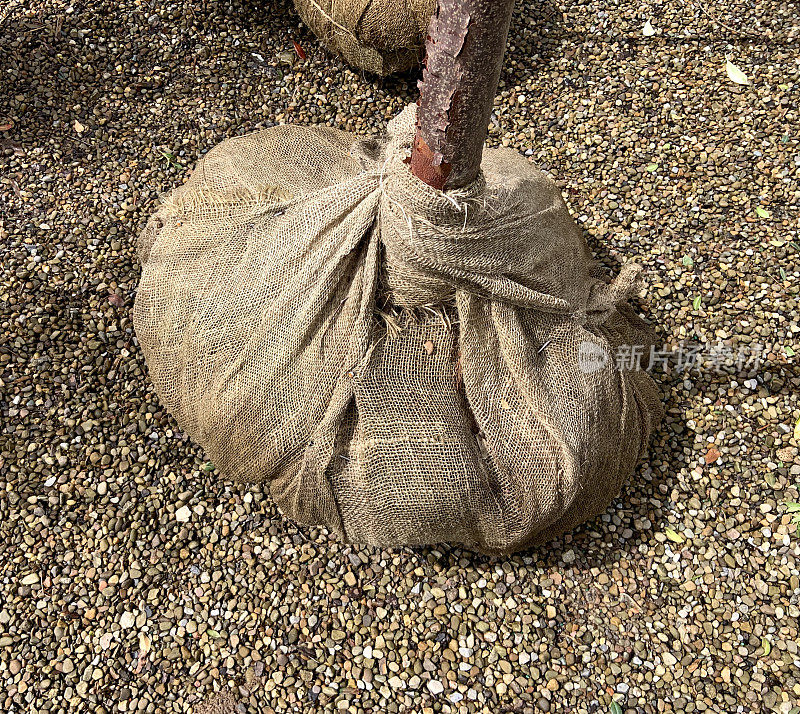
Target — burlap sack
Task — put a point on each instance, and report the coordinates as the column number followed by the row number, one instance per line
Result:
column 400, row 365
column 381, row 36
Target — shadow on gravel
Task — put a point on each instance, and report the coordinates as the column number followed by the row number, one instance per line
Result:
column 44, row 59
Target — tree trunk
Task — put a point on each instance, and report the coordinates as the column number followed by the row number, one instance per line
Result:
column 465, row 47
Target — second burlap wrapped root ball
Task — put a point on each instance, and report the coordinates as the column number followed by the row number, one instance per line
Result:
column 401, row 365
column 380, row 36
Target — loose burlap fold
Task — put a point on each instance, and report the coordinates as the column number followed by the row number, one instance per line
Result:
column 401, row 365
column 381, row 36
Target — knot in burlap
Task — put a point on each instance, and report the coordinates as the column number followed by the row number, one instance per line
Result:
column 380, row 36
column 398, row 364
column 509, row 238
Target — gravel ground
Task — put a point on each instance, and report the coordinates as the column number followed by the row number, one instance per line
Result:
column 683, row 596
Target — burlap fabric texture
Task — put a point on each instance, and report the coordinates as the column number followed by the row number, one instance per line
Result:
column 401, row 365
column 380, row 36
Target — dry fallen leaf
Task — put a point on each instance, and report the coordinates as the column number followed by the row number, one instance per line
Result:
column 712, row 454
column 6, row 125
column 735, row 74
column 674, row 536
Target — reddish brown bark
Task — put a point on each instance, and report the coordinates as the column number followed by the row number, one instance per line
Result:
column 465, row 48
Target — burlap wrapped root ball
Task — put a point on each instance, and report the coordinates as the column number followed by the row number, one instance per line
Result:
column 398, row 364
column 380, row 36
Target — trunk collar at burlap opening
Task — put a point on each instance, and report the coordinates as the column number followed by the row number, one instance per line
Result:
column 388, row 161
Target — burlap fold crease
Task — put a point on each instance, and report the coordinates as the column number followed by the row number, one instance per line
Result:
column 401, row 365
